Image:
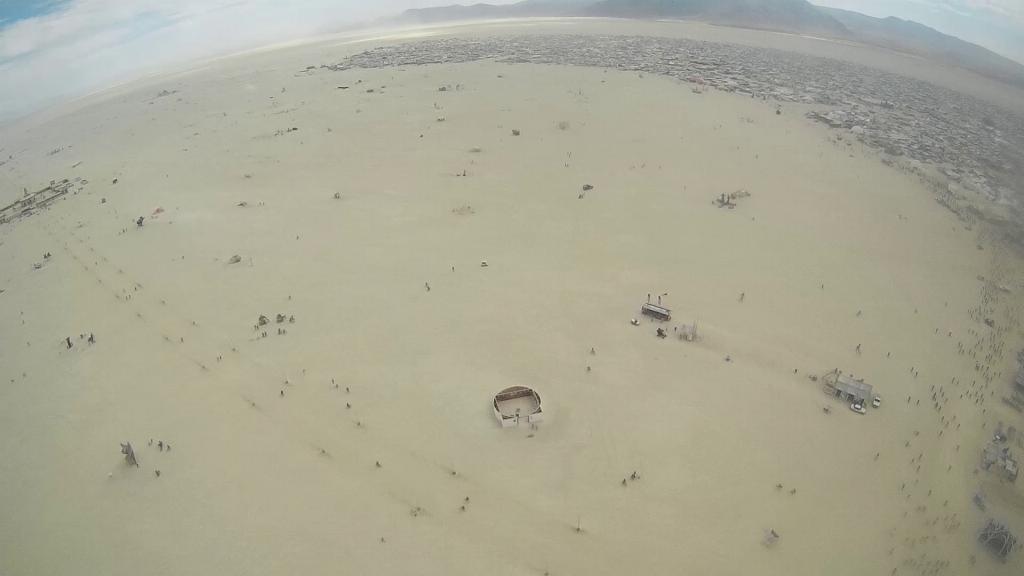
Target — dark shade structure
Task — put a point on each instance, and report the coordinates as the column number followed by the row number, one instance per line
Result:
column 998, row 539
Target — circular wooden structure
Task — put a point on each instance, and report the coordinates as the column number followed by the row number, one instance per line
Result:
column 517, row 404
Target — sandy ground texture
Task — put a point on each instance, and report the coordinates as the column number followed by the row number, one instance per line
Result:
column 359, row 438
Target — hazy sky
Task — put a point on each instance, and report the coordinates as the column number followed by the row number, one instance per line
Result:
column 52, row 50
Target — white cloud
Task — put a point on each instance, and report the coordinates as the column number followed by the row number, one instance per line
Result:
column 88, row 44
column 1010, row 8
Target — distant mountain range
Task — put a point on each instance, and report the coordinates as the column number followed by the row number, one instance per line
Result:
column 913, row 38
column 795, row 16
column 783, row 15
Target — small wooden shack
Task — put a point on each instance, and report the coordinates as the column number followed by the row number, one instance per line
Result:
column 655, row 311
column 517, row 404
column 847, row 388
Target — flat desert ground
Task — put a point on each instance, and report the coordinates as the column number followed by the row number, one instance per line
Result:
column 362, row 440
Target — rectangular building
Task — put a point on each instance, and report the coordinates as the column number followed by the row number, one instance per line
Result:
column 847, row 388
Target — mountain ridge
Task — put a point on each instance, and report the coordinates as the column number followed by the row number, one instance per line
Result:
column 916, row 38
column 781, row 15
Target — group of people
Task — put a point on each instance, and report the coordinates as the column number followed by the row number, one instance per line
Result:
column 90, row 340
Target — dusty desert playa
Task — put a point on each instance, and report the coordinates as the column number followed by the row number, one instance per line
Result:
column 359, row 438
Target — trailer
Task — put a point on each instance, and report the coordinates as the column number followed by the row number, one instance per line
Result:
column 655, row 311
